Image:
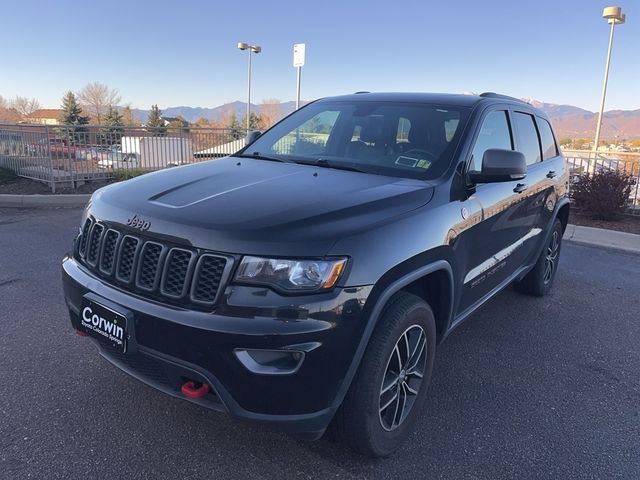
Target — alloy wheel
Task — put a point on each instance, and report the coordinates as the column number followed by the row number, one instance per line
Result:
column 402, row 377
column 551, row 261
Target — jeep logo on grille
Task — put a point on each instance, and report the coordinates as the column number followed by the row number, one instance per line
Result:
column 137, row 222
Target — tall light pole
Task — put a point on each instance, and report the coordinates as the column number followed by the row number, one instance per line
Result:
column 614, row 17
column 252, row 49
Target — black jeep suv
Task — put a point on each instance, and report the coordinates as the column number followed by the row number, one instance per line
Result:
column 307, row 279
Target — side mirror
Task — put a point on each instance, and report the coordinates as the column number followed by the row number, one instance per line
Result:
column 251, row 137
column 500, row 165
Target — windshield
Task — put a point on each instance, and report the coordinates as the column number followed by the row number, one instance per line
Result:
column 387, row 138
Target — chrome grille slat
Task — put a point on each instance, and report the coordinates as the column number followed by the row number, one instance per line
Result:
column 152, row 268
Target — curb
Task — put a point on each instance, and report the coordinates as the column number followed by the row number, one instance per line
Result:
column 44, row 201
column 600, row 237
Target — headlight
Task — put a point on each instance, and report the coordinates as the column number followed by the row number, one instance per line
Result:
column 291, row 275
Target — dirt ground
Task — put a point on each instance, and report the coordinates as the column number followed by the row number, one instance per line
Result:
column 624, row 223
column 25, row 186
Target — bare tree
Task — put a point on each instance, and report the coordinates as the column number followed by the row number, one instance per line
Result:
column 96, row 98
column 25, row 106
column 269, row 112
column 127, row 116
column 226, row 113
column 7, row 112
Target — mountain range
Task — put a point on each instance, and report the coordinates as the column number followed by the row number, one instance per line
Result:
column 568, row 121
column 215, row 114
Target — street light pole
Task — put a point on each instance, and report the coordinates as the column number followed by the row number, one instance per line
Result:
column 249, row 91
column 252, row 49
column 614, row 17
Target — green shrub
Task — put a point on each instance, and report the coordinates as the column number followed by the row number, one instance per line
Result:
column 602, row 195
column 7, row 176
column 121, row 175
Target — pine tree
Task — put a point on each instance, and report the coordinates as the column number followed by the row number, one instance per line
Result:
column 72, row 115
column 71, row 111
column 236, row 129
column 255, row 122
column 155, row 123
column 113, row 130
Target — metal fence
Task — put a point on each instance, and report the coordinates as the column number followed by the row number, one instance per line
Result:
column 583, row 162
column 70, row 155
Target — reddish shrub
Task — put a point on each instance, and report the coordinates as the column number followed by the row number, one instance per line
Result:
column 602, row 195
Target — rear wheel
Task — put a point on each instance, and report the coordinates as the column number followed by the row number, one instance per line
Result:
column 539, row 280
column 388, row 391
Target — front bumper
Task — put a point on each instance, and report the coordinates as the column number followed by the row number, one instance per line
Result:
column 175, row 343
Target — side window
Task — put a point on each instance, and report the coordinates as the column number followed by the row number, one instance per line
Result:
column 494, row 133
column 549, row 148
column 527, row 135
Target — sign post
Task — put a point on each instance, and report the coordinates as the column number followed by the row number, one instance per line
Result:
column 298, row 63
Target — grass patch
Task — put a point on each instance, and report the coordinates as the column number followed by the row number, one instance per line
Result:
column 7, row 176
column 120, row 175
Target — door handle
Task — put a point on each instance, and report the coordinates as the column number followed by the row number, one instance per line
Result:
column 521, row 187
column 551, row 174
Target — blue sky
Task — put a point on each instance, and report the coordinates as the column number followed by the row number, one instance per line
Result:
column 184, row 52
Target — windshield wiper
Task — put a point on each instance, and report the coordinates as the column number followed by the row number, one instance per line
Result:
column 323, row 162
column 259, row 156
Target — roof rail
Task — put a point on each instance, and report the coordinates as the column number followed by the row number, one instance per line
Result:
column 498, row 95
column 361, row 92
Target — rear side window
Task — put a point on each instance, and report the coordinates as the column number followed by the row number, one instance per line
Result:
column 549, row 149
column 527, row 136
column 494, row 133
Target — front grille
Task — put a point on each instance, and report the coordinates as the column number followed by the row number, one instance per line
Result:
column 127, row 258
column 149, row 260
column 107, row 260
column 151, row 268
column 207, row 278
column 93, row 247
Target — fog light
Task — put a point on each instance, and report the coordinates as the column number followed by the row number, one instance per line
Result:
column 270, row 362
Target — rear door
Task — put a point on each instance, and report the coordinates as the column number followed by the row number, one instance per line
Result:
column 551, row 173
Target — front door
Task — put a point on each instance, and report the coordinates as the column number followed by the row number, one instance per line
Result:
column 501, row 243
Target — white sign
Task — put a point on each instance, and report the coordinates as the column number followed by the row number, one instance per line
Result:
column 298, row 55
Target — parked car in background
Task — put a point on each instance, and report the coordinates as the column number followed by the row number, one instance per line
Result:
column 115, row 159
column 308, row 278
column 61, row 147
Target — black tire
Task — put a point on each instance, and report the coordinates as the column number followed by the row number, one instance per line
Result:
column 539, row 280
column 359, row 423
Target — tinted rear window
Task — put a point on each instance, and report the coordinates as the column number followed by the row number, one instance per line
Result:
column 549, row 148
column 527, row 136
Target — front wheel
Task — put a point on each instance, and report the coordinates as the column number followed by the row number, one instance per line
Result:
column 539, row 280
column 389, row 389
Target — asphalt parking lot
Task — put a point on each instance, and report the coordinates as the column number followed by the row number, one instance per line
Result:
column 527, row 388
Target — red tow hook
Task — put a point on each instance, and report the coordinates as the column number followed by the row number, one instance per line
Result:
column 193, row 389
column 80, row 333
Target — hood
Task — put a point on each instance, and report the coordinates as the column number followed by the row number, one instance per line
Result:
column 242, row 205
